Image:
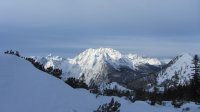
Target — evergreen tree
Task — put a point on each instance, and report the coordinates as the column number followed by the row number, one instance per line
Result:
column 195, row 82
column 57, row 73
column 6, row 52
column 177, row 103
column 113, row 106
column 49, row 69
column 153, row 96
column 17, row 53
column 76, row 83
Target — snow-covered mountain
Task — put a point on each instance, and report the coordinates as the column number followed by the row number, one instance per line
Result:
column 178, row 71
column 106, row 65
column 102, row 65
column 96, row 62
column 23, row 88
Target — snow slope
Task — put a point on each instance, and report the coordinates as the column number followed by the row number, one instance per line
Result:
column 177, row 72
column 23, row 88
column 26, row 89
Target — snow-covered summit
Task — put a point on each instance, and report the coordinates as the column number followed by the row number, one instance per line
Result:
column 94, row 63
column 92, row 57
column 178, row 71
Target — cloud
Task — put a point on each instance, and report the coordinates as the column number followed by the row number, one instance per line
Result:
column 142, row 26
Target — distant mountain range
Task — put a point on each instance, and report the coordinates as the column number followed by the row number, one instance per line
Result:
column 106, row 65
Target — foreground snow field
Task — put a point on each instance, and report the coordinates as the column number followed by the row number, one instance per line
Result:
column 23, row 88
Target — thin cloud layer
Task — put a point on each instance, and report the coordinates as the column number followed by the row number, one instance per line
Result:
column 153, row 27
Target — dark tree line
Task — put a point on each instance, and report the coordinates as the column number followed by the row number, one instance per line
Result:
column 16, row 53
column 54, row 71
column 76, row 83
column 195, row 82
column 94, row 88
column 113, row 106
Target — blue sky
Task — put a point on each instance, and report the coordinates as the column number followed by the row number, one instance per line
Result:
column 160, row 28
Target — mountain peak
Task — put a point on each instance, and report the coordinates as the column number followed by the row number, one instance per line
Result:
column 104, row 52
column 91, row 57
column 178, row 71
column 100, row 55
column 186, row 55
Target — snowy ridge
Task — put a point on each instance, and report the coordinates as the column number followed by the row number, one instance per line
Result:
column 138, row 60
column 178, row 71
column 95, row 62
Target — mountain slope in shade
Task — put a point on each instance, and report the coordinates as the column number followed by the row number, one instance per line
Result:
column 26, row 89
column 103, row 64
column 178, row 71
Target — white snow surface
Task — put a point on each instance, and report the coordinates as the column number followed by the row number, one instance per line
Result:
column 138, row 60
column 23, row 88
column 181, row 66
column 92, row 62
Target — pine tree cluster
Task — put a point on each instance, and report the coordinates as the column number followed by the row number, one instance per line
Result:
column 16, row 53
column 76, row 83
column 113, row 106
